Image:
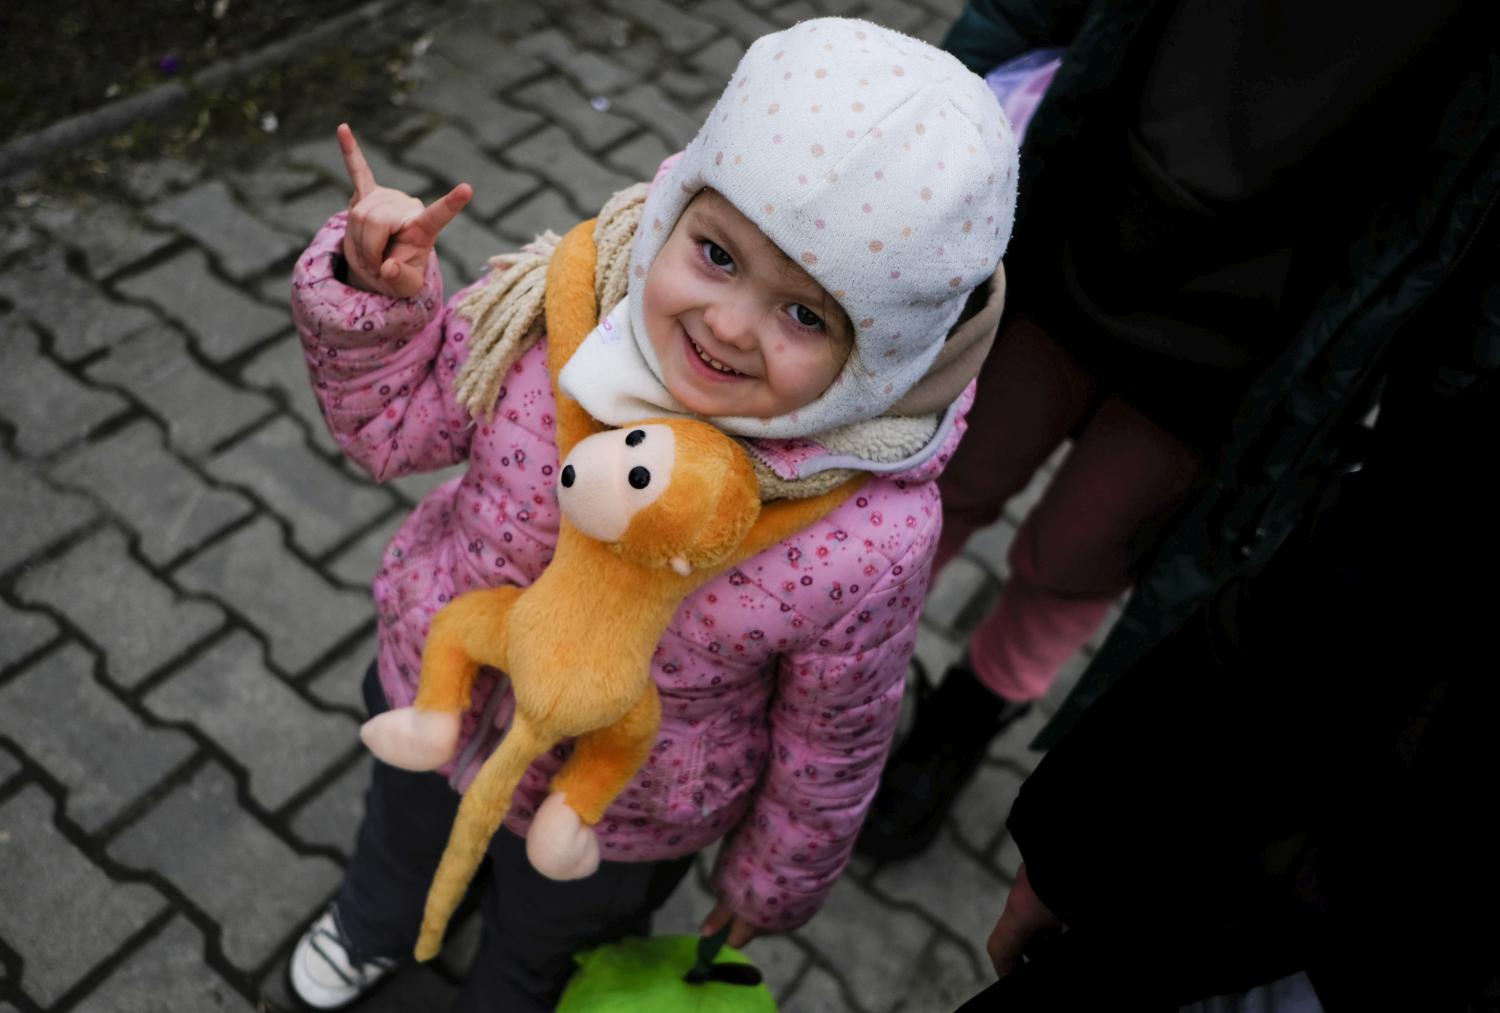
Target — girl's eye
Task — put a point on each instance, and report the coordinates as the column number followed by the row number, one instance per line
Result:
column 717, row 255
column 805, row 317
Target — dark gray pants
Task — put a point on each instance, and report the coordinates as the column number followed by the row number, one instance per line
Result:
column 532, row 925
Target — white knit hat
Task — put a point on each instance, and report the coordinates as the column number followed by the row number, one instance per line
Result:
column 881, row 165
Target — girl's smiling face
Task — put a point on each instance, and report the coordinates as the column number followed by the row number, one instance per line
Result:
column 737, row 328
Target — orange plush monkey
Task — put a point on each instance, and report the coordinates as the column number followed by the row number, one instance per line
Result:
column 650, row 513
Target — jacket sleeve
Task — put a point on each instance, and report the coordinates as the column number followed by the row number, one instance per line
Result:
column 832, row 722
column 382, row 368
column 989, row 32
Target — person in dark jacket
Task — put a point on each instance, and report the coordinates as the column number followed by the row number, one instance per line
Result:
column 1230, row 218
column 1296, row 785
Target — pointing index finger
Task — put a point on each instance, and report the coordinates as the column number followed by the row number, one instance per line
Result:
column 354, row 162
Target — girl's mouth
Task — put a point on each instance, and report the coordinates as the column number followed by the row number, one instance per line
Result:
column 710, row 361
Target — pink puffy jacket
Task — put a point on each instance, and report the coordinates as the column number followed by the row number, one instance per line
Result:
column 780, row 681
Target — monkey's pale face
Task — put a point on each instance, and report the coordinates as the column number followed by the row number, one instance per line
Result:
column 610, row 477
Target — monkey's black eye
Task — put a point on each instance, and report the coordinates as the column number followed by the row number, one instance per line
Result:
column 639, row 477
column 634, row 438
column 567, row 477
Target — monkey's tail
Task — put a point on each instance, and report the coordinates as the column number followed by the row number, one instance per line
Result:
column 483, row 807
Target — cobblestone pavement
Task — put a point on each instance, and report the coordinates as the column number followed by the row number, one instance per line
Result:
column 184, row 558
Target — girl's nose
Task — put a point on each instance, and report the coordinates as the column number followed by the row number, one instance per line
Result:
column 732, row 322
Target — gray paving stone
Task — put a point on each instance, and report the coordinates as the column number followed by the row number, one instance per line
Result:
column 246, row 879
column 682, row 32
column 470, row 244
column 659, row 112
column 715, row 63
column 332, row 816
column 1014, row 745
column 886, row 960
column 948, row 977
column 454, row 158
column 167, row 975
column 161, row 499
column 47, row 406
column 817, row 992
column 978, row 814
column 304, row 215
column 798, row 10
column 321, row 503
column 337, row 681
column 1020, row 504
column 271, row 182
column 990, row 547
column 139, row 622
column 21, row 632
column 281, row 740
column 688, row 86
column 281, row 367
column 595, row 129
column 86, row 738
column 502, row 64
column 684, row 910
column 79, row 316
column 241, row 243
column 62, row 914
column 936, row 650
column 1007, row 861
column 593, row 74
column 9, row 766
column 460, row 96
column 17, row 236
column 546, row 209
column 108, row 236
column 901, row 15
column 224, row 320
column 413, row 488
column 951, row 593
column 952, row 888
column 323, row 154
column 32, row 514
column 1065, row 680
column 356, row 564
column 836, row 8
column 640, row 157
column 150, row 179
column 299, row 613
column 744, row 22
column 643, row 54
column 198, row 408
column 552, row 155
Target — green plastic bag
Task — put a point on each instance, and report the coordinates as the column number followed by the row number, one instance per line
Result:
column 637, row 975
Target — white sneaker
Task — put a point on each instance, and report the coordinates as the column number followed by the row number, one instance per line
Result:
column 322, row 973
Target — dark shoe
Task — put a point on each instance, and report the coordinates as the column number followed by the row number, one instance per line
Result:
column 952, row 730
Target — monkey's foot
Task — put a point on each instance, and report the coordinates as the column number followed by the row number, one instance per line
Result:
column 559, row 844
column 412, row 739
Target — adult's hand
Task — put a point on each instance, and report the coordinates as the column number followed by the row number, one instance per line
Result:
column 1024, row 918
column 390, row 235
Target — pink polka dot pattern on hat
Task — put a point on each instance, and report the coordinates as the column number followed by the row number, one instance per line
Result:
column 853, row 142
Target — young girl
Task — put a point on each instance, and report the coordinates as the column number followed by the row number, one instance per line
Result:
column 799, row 276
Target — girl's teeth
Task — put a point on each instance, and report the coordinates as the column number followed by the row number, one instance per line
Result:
column 715, row 363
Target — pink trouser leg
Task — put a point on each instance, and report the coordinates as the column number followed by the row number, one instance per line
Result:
column 1073, row 554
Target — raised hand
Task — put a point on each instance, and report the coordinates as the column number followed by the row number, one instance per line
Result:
column 390, row 234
